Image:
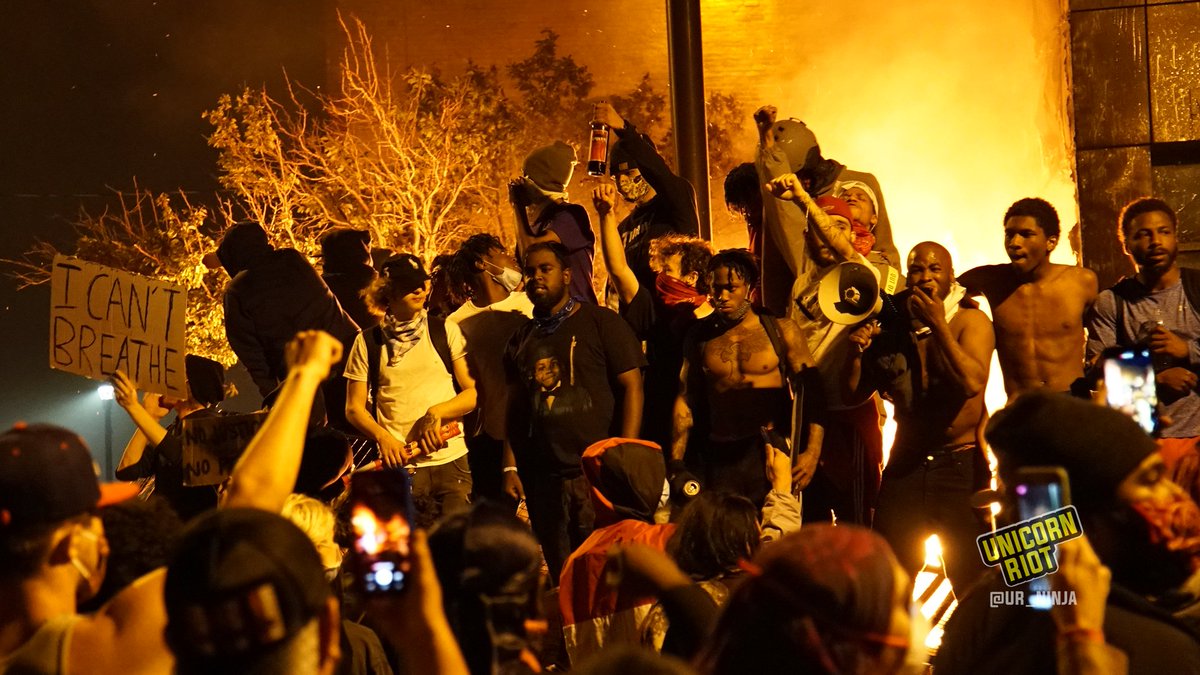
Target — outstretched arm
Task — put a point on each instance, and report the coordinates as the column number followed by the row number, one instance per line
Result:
column 788, row 187
column 266, row 472
column 604, row 197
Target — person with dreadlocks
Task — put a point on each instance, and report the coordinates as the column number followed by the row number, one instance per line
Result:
column 736, row 371
column 495, row 308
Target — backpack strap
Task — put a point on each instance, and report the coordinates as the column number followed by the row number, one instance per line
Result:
column 771, row 327
column 1191, row 286
column 441, row 344
column 373, row 339
column 1126, row 290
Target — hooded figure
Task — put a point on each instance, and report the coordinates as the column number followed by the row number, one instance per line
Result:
column 274, row 294
column 346, row 269
column 628, row 479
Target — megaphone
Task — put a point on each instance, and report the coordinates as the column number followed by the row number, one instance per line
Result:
column 849, row 293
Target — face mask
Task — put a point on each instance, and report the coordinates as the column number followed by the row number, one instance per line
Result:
column 509, row 278
column 91, row 578
column 674, row 291
column 1175, row 528
column 634, row 189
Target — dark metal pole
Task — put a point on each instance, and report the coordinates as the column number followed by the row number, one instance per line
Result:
column 687, row 101
column 108, row 450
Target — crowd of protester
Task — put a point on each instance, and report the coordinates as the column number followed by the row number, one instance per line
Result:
column 680, row 472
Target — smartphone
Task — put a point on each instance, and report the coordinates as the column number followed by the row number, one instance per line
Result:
column 1129, row 383
column 381, row 517
column 1039, row 490
column 774, row 438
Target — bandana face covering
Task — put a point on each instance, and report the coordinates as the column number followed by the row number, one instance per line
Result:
column 1175, row 527
column 401, row 336
column 633, row 189
column 674, row 291
column 549, row 324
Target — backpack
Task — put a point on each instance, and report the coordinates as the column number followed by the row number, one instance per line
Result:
column 374, row 340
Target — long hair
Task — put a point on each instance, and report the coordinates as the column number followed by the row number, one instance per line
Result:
column 714, row 531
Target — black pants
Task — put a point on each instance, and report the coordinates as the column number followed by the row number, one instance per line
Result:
column 486, row 456
column 561, row 514
column 738, row 467
column 930, row 494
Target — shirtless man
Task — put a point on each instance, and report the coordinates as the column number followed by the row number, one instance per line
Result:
column 732, row 384
column 1038, row 306
column 936, row 380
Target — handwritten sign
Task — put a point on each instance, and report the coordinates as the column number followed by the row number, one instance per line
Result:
column 104, row 319
column 212, row 445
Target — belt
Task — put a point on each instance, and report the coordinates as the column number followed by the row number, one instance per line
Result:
column 948, row 451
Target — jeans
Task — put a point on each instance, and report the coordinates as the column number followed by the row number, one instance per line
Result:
column 928, row 494
column 448, row 486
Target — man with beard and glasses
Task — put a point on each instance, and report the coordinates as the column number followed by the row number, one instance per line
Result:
column 936, row 379
column 737, row 368
column 1157, row 309
column 575, row 378
column 660, row 313
column 1141, row 525
column 1038, row 306
column 496, row 307
column 663, row 203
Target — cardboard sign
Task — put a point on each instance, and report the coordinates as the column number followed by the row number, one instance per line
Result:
column 212, row 445
column 104, row 319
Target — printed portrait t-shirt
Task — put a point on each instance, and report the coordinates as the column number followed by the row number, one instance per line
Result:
column 566, row 387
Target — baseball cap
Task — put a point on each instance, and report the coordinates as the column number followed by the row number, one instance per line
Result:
column 239, row 582
column 406, row 272
column 849, row 293
column 835, row 206
column 47, row 476
column 850, row 184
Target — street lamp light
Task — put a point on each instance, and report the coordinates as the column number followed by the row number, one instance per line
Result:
column 107, row 394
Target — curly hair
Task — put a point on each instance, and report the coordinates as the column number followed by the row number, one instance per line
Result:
column 694, row 254
column 743, row 193
column 1140, row 207
column 461, row 268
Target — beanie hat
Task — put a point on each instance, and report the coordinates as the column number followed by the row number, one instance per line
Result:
column 1098, row 446
column 550, row 167
column 205, row 379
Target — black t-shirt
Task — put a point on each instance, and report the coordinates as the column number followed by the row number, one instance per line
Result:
column 566, row 387
column 165, row 463
column 662, row 328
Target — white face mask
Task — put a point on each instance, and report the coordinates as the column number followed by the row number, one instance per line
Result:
column 509, row 278
column 92, row 578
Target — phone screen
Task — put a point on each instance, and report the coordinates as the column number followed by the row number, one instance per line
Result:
column 381, row 518
column 1129, row 381
column 1039, row 492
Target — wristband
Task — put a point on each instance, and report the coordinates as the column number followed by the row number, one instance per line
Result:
column 510, row 469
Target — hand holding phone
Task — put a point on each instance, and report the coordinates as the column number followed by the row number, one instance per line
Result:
column 1130, row 385
column 381, row 519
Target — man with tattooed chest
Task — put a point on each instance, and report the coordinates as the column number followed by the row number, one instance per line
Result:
column 736, row 371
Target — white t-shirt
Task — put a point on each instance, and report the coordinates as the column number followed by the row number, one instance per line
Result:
column 487, row 331
column 408, row 389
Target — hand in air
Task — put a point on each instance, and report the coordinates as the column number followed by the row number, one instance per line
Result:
column 604, row 196
column 315, row 351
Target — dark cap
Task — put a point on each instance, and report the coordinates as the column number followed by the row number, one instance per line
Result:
column 47, row 476
column 849, row 293
column 239, row 582
column 1099, row 447
column 550, row 167
column 619, row 159
column 405, row 272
